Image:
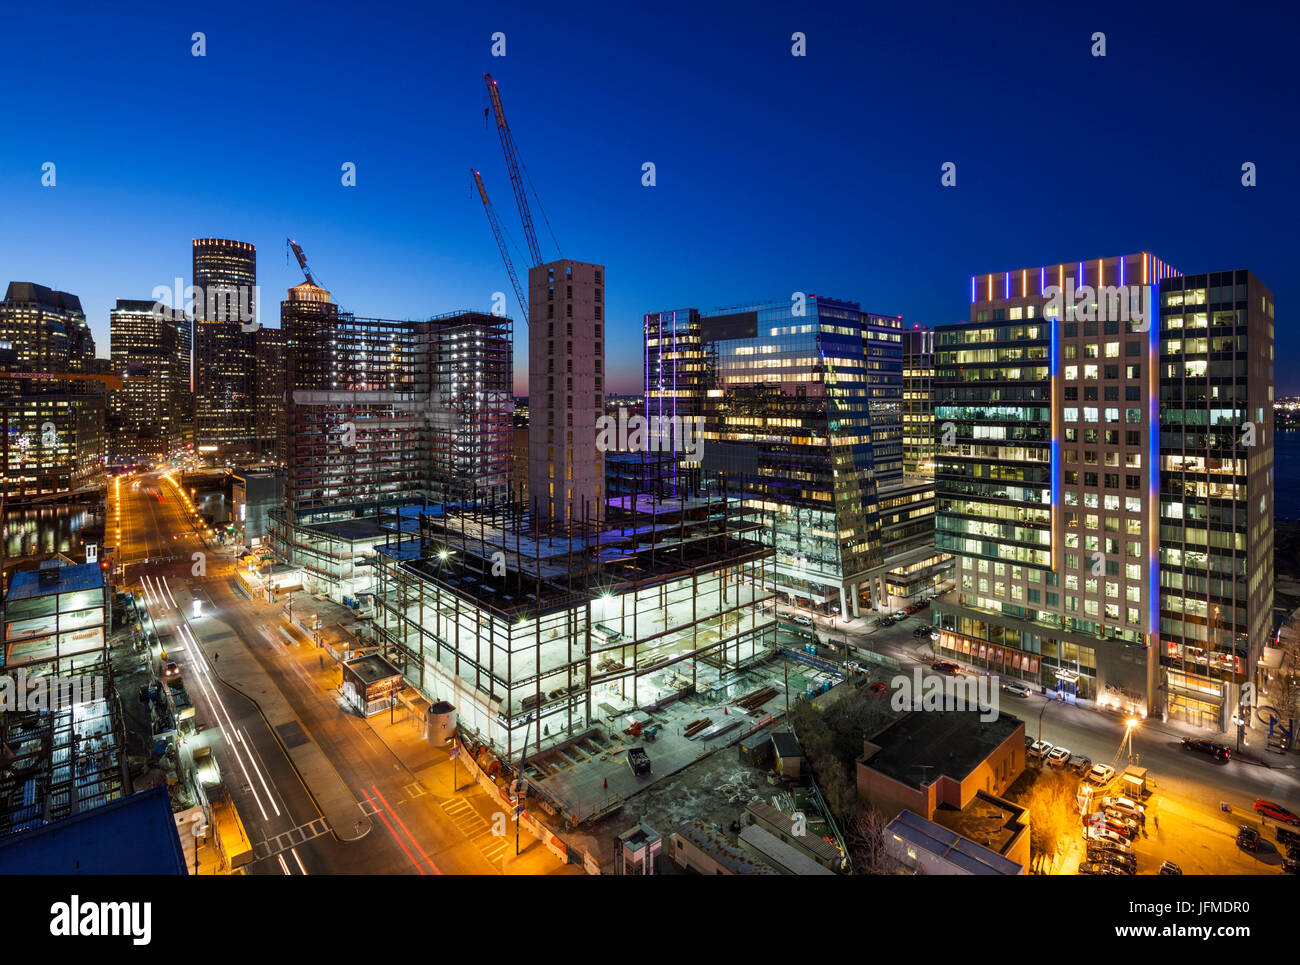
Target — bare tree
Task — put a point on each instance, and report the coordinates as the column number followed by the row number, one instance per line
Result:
column 865, row 836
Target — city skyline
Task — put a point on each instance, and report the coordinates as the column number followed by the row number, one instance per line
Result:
column 409, row 242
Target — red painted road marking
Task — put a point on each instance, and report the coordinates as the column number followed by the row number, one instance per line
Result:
column 392, row 811
column 393, row 833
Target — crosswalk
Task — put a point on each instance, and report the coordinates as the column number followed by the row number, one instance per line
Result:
column 478, row 829
column 270, row 847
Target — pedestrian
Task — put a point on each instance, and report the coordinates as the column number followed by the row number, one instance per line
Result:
column 215, row 656
column 1156, row 818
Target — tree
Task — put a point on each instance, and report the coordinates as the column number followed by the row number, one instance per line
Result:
column 865, row 836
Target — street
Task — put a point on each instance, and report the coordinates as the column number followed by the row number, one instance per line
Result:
column 318, row 790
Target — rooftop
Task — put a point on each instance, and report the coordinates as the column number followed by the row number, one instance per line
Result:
column 970, row 857
column 71, row 578
column 132, row 835
column 922, row 746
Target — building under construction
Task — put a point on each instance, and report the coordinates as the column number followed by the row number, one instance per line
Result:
column 535, row 633
column 61, row 753
column 384, row 414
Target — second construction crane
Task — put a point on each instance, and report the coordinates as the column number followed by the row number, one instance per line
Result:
column 501, row 243
column 518, row 172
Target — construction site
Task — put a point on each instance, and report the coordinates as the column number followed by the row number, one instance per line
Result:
column 543, row 636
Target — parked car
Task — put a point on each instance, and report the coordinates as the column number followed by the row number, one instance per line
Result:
column 1016, row 690
column 1099, row 851
column 1287, row 836
column 1029, row 742
column 1101, row 868
column 1124, row 827
column 901, row 615
column 1291, row 866
column 1208, row 747
column 1125, row 806
column 1269, row 809
column 1039, row 749
column 801, row 620
column 919, row 631
column 1100, row 775
column 1107, row 835
column 1169, row 868
column 878, row 687
column 1081, row 765
column 1058, row 757
column 887, row 622
column 1247, row 838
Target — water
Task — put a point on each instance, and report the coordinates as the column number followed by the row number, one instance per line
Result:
column 51, row 529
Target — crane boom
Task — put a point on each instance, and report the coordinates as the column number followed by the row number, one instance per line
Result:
column 513, row 165
column 501, row 243
column 302, row 261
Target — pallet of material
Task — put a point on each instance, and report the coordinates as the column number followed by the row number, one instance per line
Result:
column 757, row 698
column 695, row 726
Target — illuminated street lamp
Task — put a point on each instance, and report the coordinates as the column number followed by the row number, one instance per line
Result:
column 1130, row 726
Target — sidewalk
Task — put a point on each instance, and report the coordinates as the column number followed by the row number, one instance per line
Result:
column 449, row 786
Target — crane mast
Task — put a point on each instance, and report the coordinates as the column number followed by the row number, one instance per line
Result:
column 501, row 243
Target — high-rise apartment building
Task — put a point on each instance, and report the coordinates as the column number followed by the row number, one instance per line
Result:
column 918, row 402
column 144, row 350
column 566, row 390
column 1060, row 408
column 225, row 282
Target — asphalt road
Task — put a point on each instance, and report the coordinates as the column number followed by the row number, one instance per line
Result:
column 411, row 831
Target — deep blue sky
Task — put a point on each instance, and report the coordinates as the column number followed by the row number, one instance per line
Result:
column 775, row 173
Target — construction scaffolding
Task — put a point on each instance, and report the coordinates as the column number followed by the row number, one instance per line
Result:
column 518, row 625
column 66, row 759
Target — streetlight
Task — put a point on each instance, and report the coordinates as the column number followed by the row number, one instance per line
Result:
column 1130, row 725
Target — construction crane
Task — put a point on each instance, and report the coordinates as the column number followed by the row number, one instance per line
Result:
column 513, row 165
column 302, row 262
column 517, row 172
column 501, row 243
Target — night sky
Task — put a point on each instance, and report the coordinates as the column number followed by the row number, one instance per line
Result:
column 774, row 173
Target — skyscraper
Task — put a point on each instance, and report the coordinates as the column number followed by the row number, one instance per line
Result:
column 268, row 394
column 52, row 439
column 566, row 390
column 918, row 402
column 1216, row 490
column 225, row 282
column 1095, row 482
column 144, row 350
column 803, row 402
